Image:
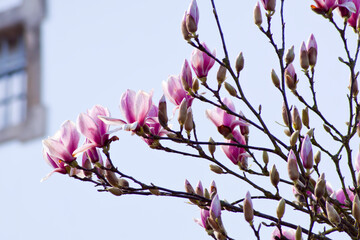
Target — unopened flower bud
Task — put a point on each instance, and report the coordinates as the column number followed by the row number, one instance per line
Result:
column 188, row 187
column 356, row 208
column 212, row 146
column 182, row 112
column 294, row 138
column 317, row 157
column 296, row 119
column 312, row 50
column 162, row 114
column 232, row 91
column 115, row 191
column 292, row 166
column 186, row 76
column 332, row 215
column 213, row 189
column 112, row 178
column 270, row 5
column 290, row 77
column 239, row 63
column 221, row 74
column 199, row 189
column 285, row 115
column 310, row 132
column 287, row 132
column 304, row 57
column 189, row 123
column 216, row 169
column 320, row 186
column 280, row 210
column 257, row 15
column 355, row 88
column 274, row 176
column 192, row 17
column 248, row 209
column 195, row 86
column 289, row 58
column 184, row 30
column 123, row 183
column 275, row 78
column 307, row 153
column 298, row 233
column 265, row 157
column 155, row 191
column 326, row 128
column 305, row 117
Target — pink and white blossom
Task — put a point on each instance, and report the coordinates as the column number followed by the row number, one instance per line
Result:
column 236, row 154
column 201, row 62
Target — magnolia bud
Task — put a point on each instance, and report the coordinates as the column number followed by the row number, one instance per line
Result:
column 112, row 178
column 232, row 91
column 356, row 208
column 162, row 114
column 184, row 30
column 188, row 187
column 154, row 191
column 248, row 209
column 270, row 5
column 257, row 15
column 312, row 50
column 191, row 24
column 114, row 190
column 320, row 186
column 290, row 77
column 199, row 189
column 280, row 210
column 216, row 169
column 196, row 86
column 265, row 157
column 289, row 58
column 239, row 63
column 274, row 176
column 310, row 132
column 182, row 112
column 213, row 189
column 212, row 146
column 189, row 123
column 307, row 153
column 305, row 117
column 221, row 74
column 304, row 58
column 355, row 88
column 298, row 233
column 285, row 115
column 317, row 157
column 296, row 119
column 332, row 215
column 292, row 166
column 287, row 132
column 123, row 183
column 294, row 137
column 275, row 78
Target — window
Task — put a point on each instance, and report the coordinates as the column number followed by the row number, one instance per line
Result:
column 22, row 115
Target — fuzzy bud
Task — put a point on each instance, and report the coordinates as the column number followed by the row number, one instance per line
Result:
column 239, row 63
column 287, row 132
column 280, row 210
column 115, row 191
column 232, row 91
column 184, row 30
column 296, row 119
column 298, row 233
column 188, row 187
column 292, row 166
column 312, row 50
column 199, row 189
column 123, row 183
column 320, row 186
column 284, row 114
column 305, row 117
column 257, row 15
column 182, row 112
column 189, row 123
column 221, row 74
column 248, row 209
column 265, row 157
column 307, row 153
column 317, row 157
column 274, row 176
column 290, row 77
column 216, row 169
column 195, row 86
column 212, row 147
column 356, row 208
column 294, row 137
column 332, row 214
column 275, row 78
column 162, row 114
column 355, row 88
column 289, row 58
column 304, row 58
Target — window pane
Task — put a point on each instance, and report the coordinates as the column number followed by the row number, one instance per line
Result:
column 17, row 111
column 17, row 83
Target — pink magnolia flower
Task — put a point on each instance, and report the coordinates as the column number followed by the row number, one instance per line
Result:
column 63, row 144
column 186, row 75
column 346, row 7
column 174, row 91
column 306, row 153
column 352, row 21
column 236, row 154
column 90, row 125
column 324, row 6
column 201, row 62
column 288, row 233
column 204, row 214
column 215, row 208
column 340, row 195
column 223, row 119
column 58, row 150
column 135, row 108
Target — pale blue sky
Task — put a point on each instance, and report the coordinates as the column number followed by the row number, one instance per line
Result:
column 93, row 52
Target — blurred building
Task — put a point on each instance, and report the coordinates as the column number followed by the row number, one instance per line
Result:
column 22, row 113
